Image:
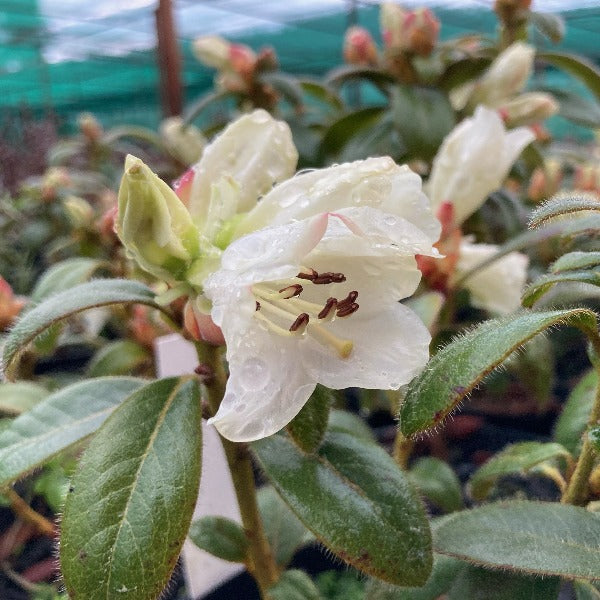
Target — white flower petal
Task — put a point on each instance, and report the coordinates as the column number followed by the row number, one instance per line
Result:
column 473, row 161
column 496, row 288
column 376, row 182
column 267, row 386
column 255, row 150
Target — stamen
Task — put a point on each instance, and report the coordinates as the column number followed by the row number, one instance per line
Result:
column 299, row 325
column 329, row 277
column 257, row 305
column 347, row 310
column 307, row 273
column 291, row 290
column 328, row 309
column 274, row 328
column 349, row 299
column 323, row 336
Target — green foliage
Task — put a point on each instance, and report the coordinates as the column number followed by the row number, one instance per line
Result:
column 102, row 292
column 340, row 585
column 309, row 425
column 221, row 537
column 573, row 261
column 19, row 397
column 121, row 357
column 516, row 458
column 347, row 422
column 437, row 482
column 58, row 421
column 577, row 66
column 136, row 485
column 575, row 414
column 294, row 585
column 356, row 501
column 543, row 284
column 548, row 539
column 462, row 365
column 561, row 205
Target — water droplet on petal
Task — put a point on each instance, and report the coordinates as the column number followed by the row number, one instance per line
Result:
column 254, row 374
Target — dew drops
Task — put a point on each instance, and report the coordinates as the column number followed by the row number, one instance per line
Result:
column 254, row 374
column 390, row 220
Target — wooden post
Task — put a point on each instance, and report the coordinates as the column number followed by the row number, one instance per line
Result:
column 169, row 60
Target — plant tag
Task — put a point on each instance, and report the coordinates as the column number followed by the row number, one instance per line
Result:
column 203, row 572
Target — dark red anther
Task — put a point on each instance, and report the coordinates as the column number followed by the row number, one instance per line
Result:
column 323, row 278
column 330, row 305
column 310, row 276
column 300, row 322
column 338, row 277
column 347, row 310
column 257, row 305
column 291, row 290
column 348, row 300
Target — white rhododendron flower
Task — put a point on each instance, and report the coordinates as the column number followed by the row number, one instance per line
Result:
column 496, row 288
column 309, row 292
column 473, row 161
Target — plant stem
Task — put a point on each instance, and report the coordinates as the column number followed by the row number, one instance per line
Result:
column 402, row 450
column 261, row 563
column 577, row 490
column 27, row 514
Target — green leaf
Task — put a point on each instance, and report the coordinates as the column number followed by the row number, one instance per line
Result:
column 423, row 117
column 101, row 292
column 309, row 425
column 65, row 275
column 288, row 86
column 552, row 26
column 356, row 501
column 341, row 132
column 220, row 537
column 19, row 397
column 342, row 75
column 294, row 585
column 445, row 571
column 427, row 306
column 284, row 531
column 577, row 66
column 594, row 437
column 461, row 71
column 532, row 537
column 122, row 357
column 344, row 421
column 515, row 458
column 322, row 93
column 480, row 584
column 584, row 590
column 575, row 414
column 456, row 370
column 193, row 111
column 545, row 283
column 60, row 420
column 133, row 495
column 560, row 205
column 574, row 107
column 437, row 482
column 573, row 261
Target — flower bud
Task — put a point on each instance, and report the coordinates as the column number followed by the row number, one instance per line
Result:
column 359, row 47
column 212, row 50
column 153, row 224
column 90, row 127
column 79, row 212
column 506, row 76
column 183, row 142
column 54, row 179
column 242, row 61
column 10, row 305
column 528, row 108
column 420, row 31
column 144, row 326
column 266, row 59
column 200, row 326
column 106, row 225
column 545, row 182
column 391, row 21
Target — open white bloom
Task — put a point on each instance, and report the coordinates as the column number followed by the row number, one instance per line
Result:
column 316, row 301
column 473, row 161
column 496, row 288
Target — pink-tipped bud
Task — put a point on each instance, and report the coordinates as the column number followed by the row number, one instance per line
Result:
column 391, row 20
column 200, row 326
column 420, row 31
column 90, row 127
column 359, row 47
column 528, row 108
column 212, row 50
column 242, row 60
column 266, row 59
column 10, row 305
column 545, row 182
column 183, row 186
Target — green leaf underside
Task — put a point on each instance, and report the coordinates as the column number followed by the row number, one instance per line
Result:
column 308, row 427
column 64, row 275
column 573, row 261
column 584, row 590
column 544, row 284
column 445, row 570
column 559, row 206
column 575, row 414
column 577, row 66
column 347, row 422
column 60, row 420
column 121, row 357
column 132, row 498
column 462, row 365
column 220, row 537
column 516, row 458
column 101, row 292
column 294, row 585
column 284, row 531
column 356, row 501
column 437, row 482
column 481, row 584
column 531, row 537
column 21, row 396
column 347, row 73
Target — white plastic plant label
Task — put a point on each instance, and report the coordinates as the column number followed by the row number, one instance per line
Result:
column 203, row 572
